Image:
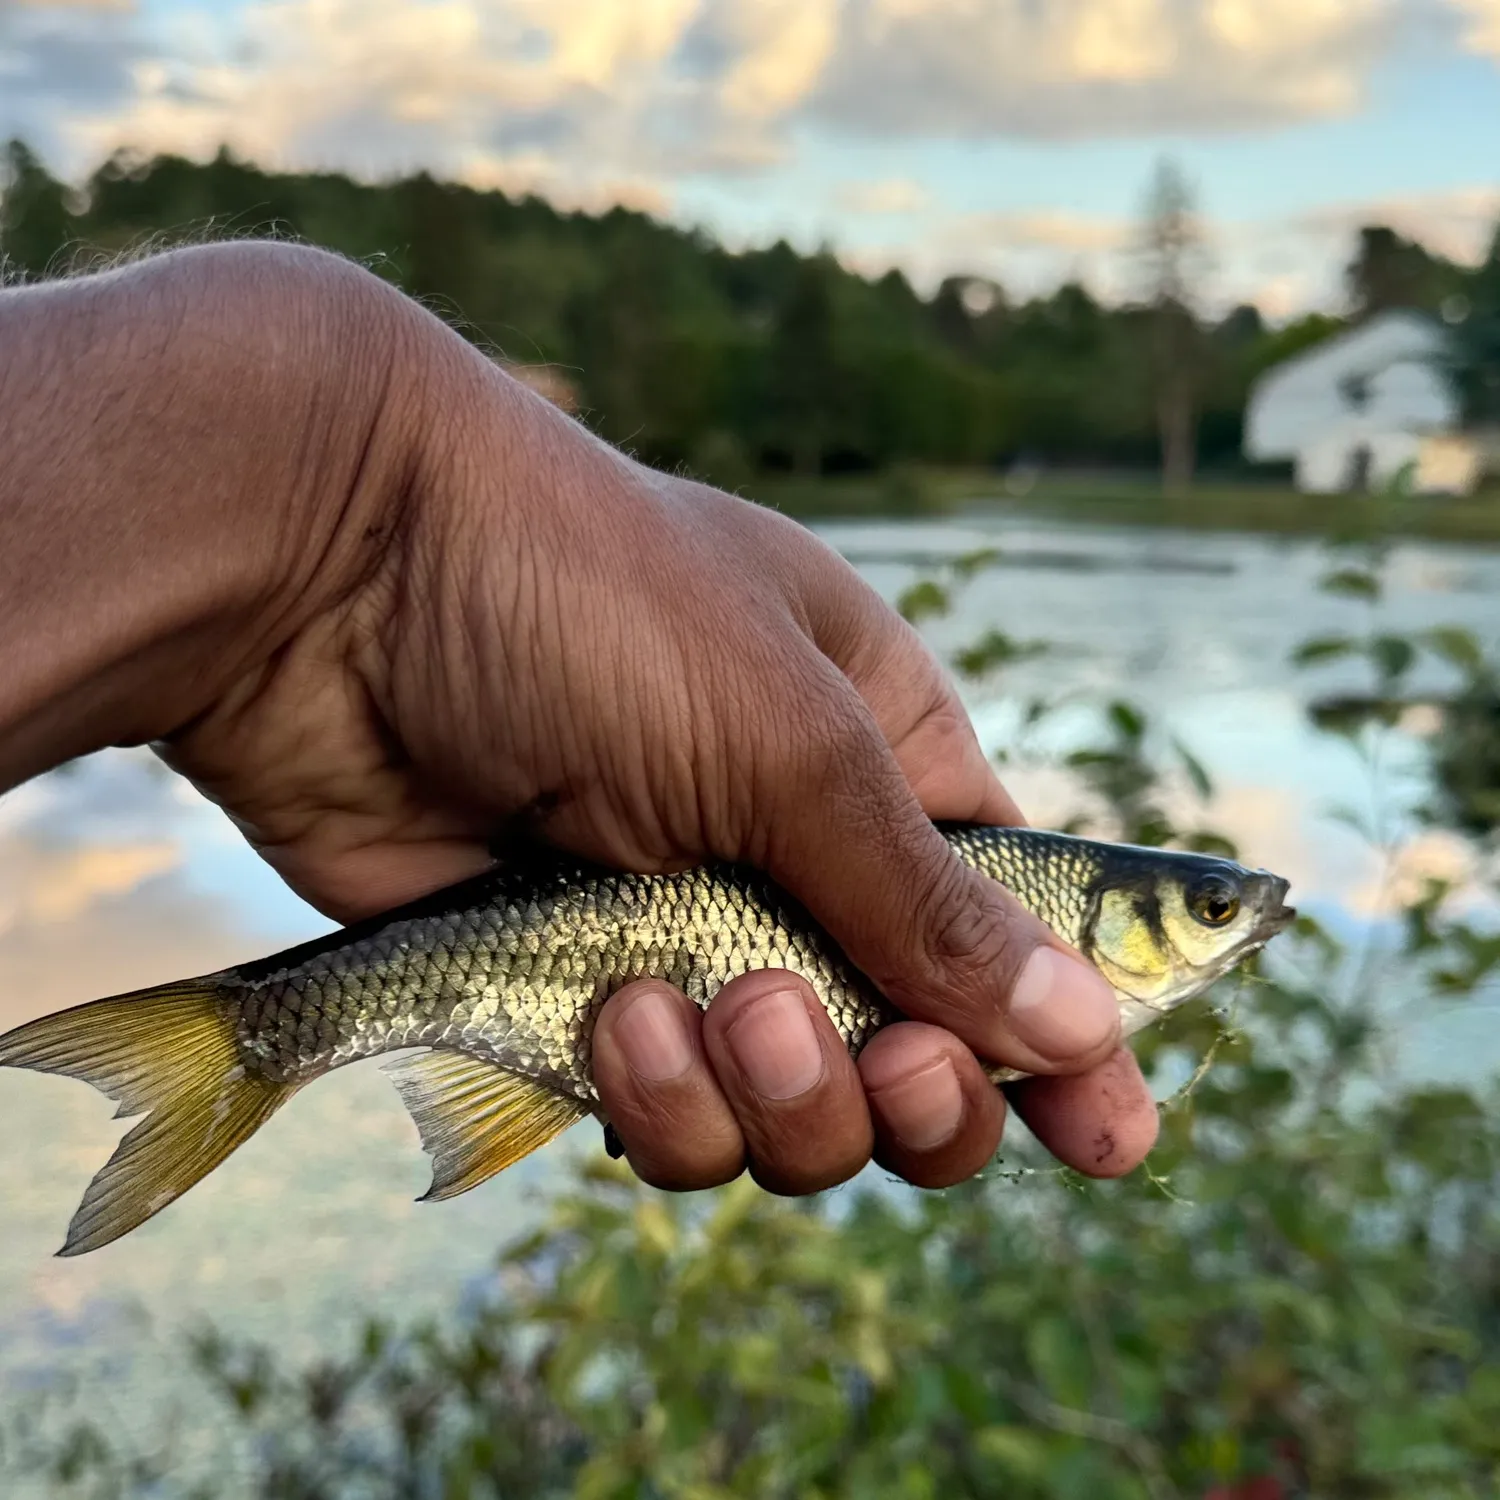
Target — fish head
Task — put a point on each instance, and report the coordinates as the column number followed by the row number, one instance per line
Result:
column 1164, row 925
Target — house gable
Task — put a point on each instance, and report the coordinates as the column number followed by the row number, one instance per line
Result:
column 1385, row 375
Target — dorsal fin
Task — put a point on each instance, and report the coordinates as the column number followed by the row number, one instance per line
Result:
column 475, row 1117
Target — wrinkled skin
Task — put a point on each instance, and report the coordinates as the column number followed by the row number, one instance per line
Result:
column 463, row 620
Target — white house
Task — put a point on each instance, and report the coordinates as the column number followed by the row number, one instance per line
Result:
column 1356, row 410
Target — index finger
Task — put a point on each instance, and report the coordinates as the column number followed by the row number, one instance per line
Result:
column 910, row 695
column 839, row 826
column 918, row 711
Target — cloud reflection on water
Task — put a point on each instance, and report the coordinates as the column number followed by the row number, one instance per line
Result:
column 114, row 876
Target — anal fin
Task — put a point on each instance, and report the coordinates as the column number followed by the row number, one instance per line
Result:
column 476, row 1118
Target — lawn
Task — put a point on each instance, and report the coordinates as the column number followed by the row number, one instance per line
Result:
column 1210, row 505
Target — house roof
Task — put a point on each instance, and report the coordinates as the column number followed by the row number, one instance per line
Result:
column 1385, row 338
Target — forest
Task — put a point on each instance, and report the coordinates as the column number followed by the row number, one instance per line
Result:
column 731, row 364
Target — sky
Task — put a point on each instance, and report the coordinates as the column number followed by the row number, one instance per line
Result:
column 1005, row 138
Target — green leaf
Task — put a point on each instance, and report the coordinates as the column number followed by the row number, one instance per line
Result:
column 925, row 600
column 1055, row 1345
column 965, row 567
column 1128, row 719
column 1206, row 841
column 1351, row 583
column 1392, row 655
column 1323, row 648
column 1348, row 714
column 995, row 649
column 1021, row 1452
column 1455, row 645
column 1197, row 773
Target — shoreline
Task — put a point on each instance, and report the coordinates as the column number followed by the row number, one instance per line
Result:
column 1213, row 505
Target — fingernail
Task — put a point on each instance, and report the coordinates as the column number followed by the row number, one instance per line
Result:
column 925, row 1110
column 774, row 1043
column 1062, row 1007
column 654, row 1038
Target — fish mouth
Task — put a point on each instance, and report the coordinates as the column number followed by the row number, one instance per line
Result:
column 1276, row 915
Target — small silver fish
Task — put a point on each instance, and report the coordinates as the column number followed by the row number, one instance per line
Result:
column 501, row 978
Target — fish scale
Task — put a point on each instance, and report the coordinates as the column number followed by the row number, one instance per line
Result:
column 522, row 980
column 503, row 977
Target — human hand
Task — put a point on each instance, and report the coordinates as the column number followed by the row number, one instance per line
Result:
column 506, row 625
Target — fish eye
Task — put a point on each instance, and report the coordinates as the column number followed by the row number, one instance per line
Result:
column 1214, row 900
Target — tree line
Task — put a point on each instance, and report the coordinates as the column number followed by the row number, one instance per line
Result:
column 731, row 363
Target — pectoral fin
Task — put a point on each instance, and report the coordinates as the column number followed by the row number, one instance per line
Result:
column 476, row 1118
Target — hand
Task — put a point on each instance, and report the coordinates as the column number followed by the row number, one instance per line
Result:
column 506, row 622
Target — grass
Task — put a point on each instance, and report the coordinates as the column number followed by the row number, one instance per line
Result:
column 1212, row 505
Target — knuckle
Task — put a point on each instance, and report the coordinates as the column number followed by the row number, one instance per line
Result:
column 680, row 1145
column 972, row 942
column 797, row 1179
column 828, row 753
column 782, row 551
column 672, row 1175
column 943, row 720
column 840, row 755
column 826, row 1142
column 834, row 743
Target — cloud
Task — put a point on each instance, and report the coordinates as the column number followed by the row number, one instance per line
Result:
column 1282, row 296
column 590, row 102
column 154, row 931
column 44, row 884
column 1399, row 882
column 1285, row 265
column 107, row 873
column 1076, row 69
column 99, row 917
column 123, row 7
column 564, row 95
column 1127, row 41
column 60, row 62
column 574, row 98
column 888, row 195
column 1482, row 30
column 1046, row 229
column 765, row 57
column 1027, row 251
column 1457, row 222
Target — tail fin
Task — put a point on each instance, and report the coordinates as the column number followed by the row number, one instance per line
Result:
column 167, row 1053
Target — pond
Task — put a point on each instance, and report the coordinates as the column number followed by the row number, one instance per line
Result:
column 114, row 875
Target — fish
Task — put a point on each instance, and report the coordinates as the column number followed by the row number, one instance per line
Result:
column 498, row 980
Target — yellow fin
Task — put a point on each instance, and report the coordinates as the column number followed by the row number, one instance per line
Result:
column 169, row 1053
column 475, row 1117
